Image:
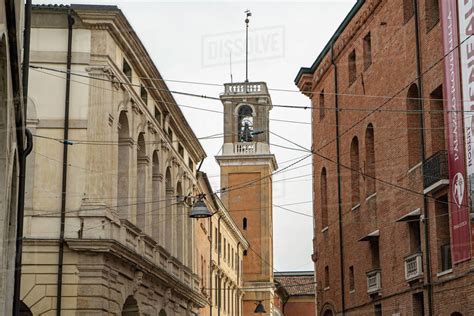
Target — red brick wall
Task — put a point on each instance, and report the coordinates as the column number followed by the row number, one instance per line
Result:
column 392, row 71
column 300, row 308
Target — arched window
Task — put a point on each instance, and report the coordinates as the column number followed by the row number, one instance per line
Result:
column 370, row 161
column 245, row 124
column 355, row 175
column 414, row 125
column 156, row 197
column 162, row 313
column 141, row 182
column 123, row 165
column 130, row 307
column 244, row 223
column 324, row 198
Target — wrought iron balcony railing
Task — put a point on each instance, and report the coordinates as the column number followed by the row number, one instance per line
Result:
column 435, row 169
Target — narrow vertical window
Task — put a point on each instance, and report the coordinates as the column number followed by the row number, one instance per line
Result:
column 432, row 14
column 326, row 277
column 245, row 124
column 157, row 115
column 244, row 223
column 442, row 234
column 370, row 161
column 367, row 51
column 414, row 125
column 127, row 70
column 352, row 67
column 322, row 110
column 355, row 173
column 437, row 120
column 324, row 199
column 144, row 94
column 351, row 279
column 408, row 10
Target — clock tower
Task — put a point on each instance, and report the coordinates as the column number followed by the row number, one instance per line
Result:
column 246, row 167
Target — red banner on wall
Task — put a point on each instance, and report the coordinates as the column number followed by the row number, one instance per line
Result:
column 460, row 228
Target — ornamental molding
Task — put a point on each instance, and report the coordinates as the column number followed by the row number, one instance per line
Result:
column 346, row 37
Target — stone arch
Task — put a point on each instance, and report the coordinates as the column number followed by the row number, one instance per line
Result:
column 245, row 122
column 130, row 307
column 328, row 310
column 123, row 165
column 162, row 313
column 142, row 161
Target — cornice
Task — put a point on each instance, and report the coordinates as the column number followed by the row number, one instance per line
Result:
column 348, row 29
column 120, row 29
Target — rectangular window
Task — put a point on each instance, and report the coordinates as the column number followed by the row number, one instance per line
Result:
column 127, row 70
column 351, row 279
column 418, row 304
column 190, row 164
column 415, row 236
column 367, row 51
column 170, row 134
column 408, row 10
column 374, row 247
column 144, row 94
column 216, row 242
column 181, row 150
column 437, row 120
column 322, row 110
column 352, row 67
column 157, row 115
column 326, row 277
column 442, row 234
column 378, row 309
column 432, row 14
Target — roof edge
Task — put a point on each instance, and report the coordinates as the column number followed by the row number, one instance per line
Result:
column 310, row 70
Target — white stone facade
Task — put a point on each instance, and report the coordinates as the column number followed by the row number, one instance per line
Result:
column 132, row 158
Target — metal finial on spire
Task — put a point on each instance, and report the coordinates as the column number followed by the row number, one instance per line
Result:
column 248, row 14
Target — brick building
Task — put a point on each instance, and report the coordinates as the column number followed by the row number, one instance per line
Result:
column 381, row 204
column 296, row 292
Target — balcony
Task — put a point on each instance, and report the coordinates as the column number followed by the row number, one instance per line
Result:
column 246, row 148
column 374, row 281
column 413, row 267
column 255, row 88
column 435, row 172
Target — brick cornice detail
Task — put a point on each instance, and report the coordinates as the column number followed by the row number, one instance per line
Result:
column 346, row 37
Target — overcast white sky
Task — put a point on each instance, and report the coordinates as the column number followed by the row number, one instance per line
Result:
column 190, row 40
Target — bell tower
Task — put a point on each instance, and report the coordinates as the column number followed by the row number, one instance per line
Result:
column 246, row 168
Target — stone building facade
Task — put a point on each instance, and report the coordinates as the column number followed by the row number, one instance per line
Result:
column 220, row 256
column 12, row 141
column 381, row 207
column 129, row 244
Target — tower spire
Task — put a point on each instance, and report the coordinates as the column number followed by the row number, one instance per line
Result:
column 248, row 14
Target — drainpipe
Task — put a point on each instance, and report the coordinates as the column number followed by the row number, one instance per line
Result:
column 23, row 153
column 339, row 184
column 423, row 158
column 210, row 264
column 219, row 246
column 65, row 163
column 237, row 303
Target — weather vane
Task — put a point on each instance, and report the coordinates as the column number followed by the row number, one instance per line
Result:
column 248, row 14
